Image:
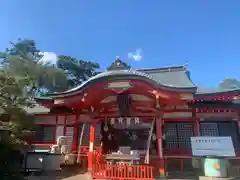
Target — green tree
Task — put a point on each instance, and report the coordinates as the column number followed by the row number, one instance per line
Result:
column 230, row 83
column 25, row 48
column 77, row 71
column 15, row 96
column 24, row 59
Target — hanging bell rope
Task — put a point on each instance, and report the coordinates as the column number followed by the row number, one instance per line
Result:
column 149, row 143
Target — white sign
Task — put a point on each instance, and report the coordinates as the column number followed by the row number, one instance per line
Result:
column 212, row 146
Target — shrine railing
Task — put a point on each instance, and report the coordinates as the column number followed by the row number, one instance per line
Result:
column 123, row 172
column 103, row 170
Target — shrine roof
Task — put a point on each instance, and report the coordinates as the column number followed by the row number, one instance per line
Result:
column 177, row 76
column 216, row 104
column 170, row 78
column 37, row 109
column 215, row 91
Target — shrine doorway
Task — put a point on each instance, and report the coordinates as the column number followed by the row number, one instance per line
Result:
column 136, row 135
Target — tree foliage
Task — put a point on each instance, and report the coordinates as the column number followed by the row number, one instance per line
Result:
column 15, row 96
column 25, row 48
column 17, row 91
column 77, row 71
column 24, row 59
column 230, row 83
column 23, row 75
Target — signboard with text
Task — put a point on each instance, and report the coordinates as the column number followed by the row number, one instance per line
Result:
column 212, row 146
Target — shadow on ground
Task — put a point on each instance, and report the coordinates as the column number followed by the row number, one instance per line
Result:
column 67, row 173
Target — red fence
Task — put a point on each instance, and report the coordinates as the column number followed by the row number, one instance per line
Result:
column 181, row 166
column 102, row 170
column 175, row 166
column 122, row 172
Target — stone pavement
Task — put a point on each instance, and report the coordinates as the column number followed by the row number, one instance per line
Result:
column 76, row 175
column 58, row 176
column 53, row 176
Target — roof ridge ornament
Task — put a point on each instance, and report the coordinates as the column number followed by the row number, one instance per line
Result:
column 118, row 64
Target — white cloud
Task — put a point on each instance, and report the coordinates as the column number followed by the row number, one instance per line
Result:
column 49, row 57
column 136, row 56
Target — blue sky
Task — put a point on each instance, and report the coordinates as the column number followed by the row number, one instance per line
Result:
column 204, row 33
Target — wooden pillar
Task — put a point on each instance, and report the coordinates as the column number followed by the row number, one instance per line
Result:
column 159, row 135
column 238, row 120
column 195, row 123
column 75, row 134
column 65, row 122
column 55, row 130
column 91, row 148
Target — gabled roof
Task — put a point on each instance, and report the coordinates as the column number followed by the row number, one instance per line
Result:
column 177, row 76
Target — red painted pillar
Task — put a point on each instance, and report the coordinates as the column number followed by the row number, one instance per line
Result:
column 159, row 135
column 91, row 147
column 75, row 134
column 195, row 123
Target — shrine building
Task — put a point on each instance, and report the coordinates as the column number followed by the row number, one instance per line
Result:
column 124, row 108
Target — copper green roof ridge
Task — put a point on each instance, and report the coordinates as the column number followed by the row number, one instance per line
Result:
column 164, row 69
column 46, row 96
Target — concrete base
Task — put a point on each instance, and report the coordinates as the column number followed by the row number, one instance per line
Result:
column 217, row 178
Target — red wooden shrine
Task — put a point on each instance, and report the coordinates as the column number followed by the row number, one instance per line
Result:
column 107, row 104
